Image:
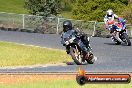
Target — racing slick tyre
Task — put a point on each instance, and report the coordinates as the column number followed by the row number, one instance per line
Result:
column 126, row 39
column 90, row 59
column 75, row 54
column 117, row 43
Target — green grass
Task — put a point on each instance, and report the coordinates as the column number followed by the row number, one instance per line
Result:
column 17, row 6
column 20, row 55
column 13, row 6
column 67, row 14
column 62, row 84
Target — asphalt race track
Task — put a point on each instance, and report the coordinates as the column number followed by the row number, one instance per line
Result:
column 111, row 58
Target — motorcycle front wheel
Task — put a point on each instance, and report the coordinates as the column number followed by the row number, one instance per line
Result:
column 76, row 56
column 115, row 40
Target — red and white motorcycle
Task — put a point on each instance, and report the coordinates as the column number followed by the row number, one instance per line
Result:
column 119, row 32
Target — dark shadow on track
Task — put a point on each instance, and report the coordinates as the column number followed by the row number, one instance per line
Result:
column 73, row 63
column 115, row 44
column 70, row 63
column 110, row 43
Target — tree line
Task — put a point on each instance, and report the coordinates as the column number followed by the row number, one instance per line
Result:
column 81, row 9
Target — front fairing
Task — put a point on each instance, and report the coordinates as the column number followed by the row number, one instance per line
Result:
column 119, row 27
column 69, row 37
column 68, row 34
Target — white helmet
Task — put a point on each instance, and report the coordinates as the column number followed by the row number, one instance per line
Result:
column 109, row 13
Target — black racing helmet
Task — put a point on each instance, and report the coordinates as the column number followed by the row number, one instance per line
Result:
column 67, row 25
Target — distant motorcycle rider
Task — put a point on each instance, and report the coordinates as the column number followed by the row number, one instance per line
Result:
column 69, row 30
column 110, row 16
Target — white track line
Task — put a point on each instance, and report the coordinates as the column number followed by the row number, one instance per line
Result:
column 24, row 44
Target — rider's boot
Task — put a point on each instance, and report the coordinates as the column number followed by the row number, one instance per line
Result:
column 67, row 50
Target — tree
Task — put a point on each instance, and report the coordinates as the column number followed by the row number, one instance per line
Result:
column 67, row 4
column 127, row 13
column 124, row 1
column 95, row 9
column 43, row 7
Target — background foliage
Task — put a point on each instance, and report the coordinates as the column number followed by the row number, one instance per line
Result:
column 80, row 9
column 74, row 9
column 127, row 13
column 96, row 9
column 43, row 7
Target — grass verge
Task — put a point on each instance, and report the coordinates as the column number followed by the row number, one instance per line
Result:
column 13, row 6
column 21, row 55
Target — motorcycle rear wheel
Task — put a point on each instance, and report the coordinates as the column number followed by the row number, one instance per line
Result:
column 90, row 59
column 127, row 40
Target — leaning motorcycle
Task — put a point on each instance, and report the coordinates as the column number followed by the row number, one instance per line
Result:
column 122, row 32
column 78, row 55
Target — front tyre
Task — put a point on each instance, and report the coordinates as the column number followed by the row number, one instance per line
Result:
column 115, row 41
column 76, row 56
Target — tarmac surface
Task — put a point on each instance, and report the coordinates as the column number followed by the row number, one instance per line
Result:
column 111, row 57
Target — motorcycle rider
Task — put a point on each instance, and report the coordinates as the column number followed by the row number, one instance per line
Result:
column 110, row 16
column 69, row 30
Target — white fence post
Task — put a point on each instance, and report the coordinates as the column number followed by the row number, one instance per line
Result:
column 23, row 22
column 131, row 32
column 57, row 30
column 94, row 29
